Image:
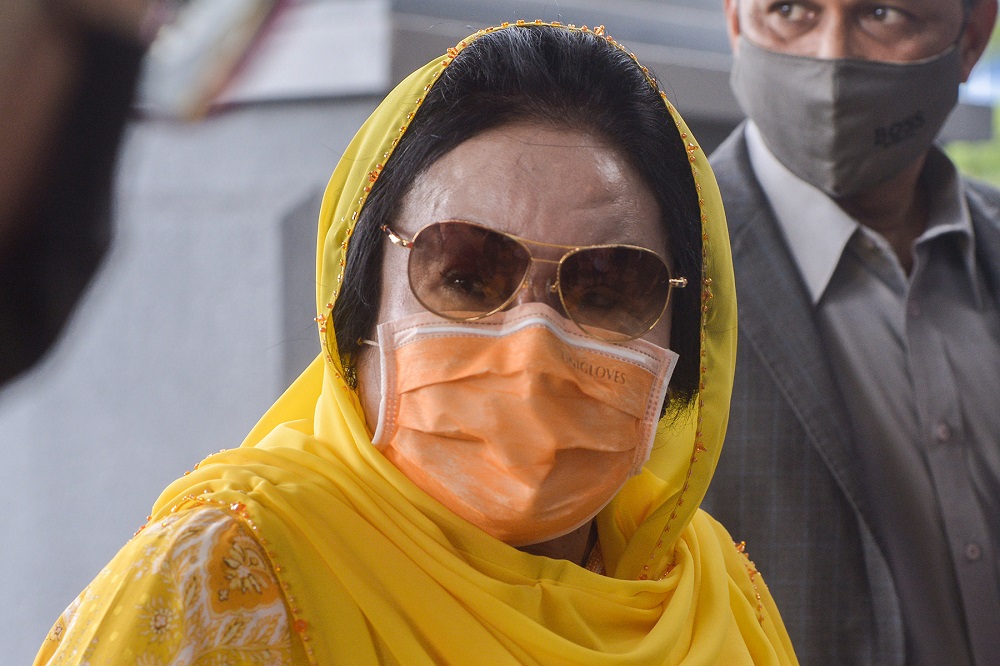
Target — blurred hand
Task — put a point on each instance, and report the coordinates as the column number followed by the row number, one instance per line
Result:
column 67, row 74
column 40, row 62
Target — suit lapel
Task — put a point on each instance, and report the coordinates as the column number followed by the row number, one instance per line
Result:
column 985, row 218
column 776, row 318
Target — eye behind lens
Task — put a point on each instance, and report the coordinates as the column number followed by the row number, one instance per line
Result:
column 463, row 271
column 614, row 293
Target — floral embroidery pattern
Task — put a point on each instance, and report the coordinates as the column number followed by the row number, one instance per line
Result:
column 160, row 619
column 198, row 592
column 239, row 573
column 55, row 634
column 247, row 569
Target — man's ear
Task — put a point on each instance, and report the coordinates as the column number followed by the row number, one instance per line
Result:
column 976, row 36
column 732, row 10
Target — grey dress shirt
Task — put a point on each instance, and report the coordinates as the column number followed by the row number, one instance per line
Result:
column 917, row 361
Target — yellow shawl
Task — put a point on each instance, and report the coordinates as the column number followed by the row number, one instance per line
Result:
column 376, row 571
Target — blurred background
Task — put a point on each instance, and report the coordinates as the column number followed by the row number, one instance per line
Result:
column 202, row 311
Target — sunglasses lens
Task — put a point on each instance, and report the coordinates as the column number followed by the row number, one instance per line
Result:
column 614, row 293
column 463, row 271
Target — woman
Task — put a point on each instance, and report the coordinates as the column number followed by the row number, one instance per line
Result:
column 506, row 250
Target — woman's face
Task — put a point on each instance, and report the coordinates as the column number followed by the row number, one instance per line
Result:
column 560, row 186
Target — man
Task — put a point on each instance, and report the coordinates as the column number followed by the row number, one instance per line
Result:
column 862, row 464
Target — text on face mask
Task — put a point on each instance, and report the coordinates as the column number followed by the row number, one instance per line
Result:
column 596, row 371
column 900, row 130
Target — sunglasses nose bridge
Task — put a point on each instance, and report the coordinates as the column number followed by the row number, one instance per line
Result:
column 540, row 284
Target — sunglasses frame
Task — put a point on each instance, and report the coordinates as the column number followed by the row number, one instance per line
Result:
column 554, row 288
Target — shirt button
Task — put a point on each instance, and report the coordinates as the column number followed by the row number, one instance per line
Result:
column 973, row 552
column 915, row 308
column 942, row 432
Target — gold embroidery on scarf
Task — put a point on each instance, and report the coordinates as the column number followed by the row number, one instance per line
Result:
column 752, row 573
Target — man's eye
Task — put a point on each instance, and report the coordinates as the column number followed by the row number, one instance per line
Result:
column 887, row 15
column 887, row 24
column 787, row 20
column 791, row 11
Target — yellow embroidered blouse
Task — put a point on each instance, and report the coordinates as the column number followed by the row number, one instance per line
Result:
column 202, row 593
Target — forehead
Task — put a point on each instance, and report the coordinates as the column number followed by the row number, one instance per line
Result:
column 892, row 19
column 553, row 185
column 861, row 4
column 888, row 30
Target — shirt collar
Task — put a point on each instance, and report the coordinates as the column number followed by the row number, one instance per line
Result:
column 949, row 208
column 817, row 230
column 949, row 213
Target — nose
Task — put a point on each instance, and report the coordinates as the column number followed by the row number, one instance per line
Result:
column 833, row 38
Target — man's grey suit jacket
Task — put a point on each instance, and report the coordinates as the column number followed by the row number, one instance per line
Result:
column 786, row 482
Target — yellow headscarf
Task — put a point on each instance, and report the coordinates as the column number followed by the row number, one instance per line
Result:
column 374, row 570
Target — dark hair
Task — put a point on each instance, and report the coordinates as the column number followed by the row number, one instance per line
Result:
column 561, row 78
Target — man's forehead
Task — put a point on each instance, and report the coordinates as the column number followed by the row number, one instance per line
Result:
column 757, row 4
column 927, row 14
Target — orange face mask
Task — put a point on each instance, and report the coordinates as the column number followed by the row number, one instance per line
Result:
column 518, row 423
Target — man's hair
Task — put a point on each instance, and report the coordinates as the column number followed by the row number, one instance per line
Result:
column 561, row 78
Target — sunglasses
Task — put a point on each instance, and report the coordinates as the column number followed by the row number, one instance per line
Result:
column 463, row 271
